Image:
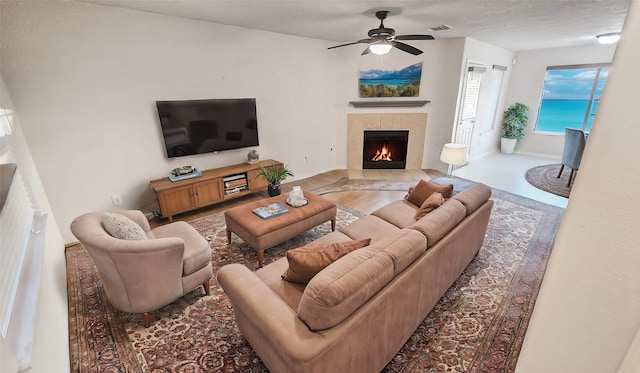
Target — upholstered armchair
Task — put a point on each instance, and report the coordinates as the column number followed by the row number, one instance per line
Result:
column 574, row 143
column 145, row 268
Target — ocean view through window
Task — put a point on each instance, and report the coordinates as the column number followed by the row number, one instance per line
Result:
column 570, row 97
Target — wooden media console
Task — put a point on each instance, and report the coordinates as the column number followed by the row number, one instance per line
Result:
column 214, row 186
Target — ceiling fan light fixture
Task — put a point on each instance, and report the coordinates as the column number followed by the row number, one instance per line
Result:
column 379, row 49
column 380, row 40
column 609, row 38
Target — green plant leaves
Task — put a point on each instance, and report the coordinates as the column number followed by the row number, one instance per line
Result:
column 515, row 119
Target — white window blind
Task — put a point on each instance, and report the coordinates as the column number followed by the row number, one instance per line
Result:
column 16, row 221
column 472, row 92
column 22, row 231
column 493, row 96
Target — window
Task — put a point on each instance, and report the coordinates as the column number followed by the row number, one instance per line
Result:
column 570, row 97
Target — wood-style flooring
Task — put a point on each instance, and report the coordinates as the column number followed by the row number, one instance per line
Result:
column 363, row 201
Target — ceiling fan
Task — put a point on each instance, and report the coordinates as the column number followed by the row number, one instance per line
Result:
column 382, row 39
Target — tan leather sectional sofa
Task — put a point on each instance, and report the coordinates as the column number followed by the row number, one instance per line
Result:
column 357, row 313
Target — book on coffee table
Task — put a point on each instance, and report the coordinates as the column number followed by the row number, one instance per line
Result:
column 268, row 212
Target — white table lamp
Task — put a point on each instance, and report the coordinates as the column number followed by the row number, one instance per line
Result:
column 454, row 155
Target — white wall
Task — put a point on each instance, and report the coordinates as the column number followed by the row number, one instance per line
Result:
column 444, row 63
column 85, row 79
column 50, row 352
column 439, row 84
column 526, row 82
column 588, row 310
column 485, row 142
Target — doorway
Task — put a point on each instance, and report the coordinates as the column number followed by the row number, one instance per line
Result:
column 469, row 107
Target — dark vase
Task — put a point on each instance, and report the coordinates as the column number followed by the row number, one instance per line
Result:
column 273, row 190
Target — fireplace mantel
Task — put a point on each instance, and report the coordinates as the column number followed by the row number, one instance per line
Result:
column 389, row 103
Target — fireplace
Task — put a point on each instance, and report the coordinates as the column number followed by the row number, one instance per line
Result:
column 385, row 149
column 415, row 123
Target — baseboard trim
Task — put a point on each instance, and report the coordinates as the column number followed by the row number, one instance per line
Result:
column 540, row 155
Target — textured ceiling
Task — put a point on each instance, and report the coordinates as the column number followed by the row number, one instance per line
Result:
column 513, row 24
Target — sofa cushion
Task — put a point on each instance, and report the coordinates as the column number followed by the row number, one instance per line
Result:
column 423, row 190
column 474, row 196
column 335, row 236
column 345, row 285
column 306, row 261
column 403, row 248
column 440, row 221
column 434, row 201
column 400, row 213
column 342, row 287
column 122, row 227
column 369, row 226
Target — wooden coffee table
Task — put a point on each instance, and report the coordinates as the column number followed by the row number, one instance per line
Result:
column 262, row 234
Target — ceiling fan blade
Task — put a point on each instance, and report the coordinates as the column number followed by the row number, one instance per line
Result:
column 366, row 51
column 414, row 37
column 406, row 48
column 352, row 43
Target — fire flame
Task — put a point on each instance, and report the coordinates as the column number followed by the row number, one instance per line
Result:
column 383, row 154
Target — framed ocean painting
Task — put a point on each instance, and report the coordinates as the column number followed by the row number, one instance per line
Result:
column 403, row 82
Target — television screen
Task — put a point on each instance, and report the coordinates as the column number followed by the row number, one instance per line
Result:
column 204, row 126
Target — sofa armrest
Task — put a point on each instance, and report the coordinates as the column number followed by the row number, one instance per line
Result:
column 271, row 320
column 133, row 272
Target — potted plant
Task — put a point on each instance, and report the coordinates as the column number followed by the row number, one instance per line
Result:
column 274, row 175
column 515, row 119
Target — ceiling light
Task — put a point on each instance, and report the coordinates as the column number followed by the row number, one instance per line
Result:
column 609, row 38
column 382, row 48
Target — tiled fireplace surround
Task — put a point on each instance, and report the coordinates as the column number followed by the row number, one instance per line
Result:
column 416, row 123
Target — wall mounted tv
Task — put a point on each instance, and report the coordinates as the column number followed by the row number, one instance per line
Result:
column 205, row 126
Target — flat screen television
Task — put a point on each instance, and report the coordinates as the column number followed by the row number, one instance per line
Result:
column 205, row 126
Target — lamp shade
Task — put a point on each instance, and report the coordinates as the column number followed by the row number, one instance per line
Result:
column 454, row 154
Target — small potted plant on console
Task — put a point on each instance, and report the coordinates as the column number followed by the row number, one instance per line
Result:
column 274, row 175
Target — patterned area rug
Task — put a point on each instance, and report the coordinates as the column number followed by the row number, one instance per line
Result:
column 477, row 326
column 545, row 178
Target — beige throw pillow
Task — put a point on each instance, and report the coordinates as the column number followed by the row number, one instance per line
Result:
column 424, row 189
column 121, row 227
column 434, row 201
column 306, row 261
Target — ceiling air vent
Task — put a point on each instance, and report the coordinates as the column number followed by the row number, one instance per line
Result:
column 440, row 27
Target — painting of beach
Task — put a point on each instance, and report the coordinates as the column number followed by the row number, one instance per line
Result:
column 391, row 83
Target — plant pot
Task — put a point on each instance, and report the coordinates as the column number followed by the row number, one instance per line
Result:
column 507, row 145
column 274, row 190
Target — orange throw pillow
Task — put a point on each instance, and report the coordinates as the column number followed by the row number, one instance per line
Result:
column 306, row 261
column 418, row 194
column 434, row 201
